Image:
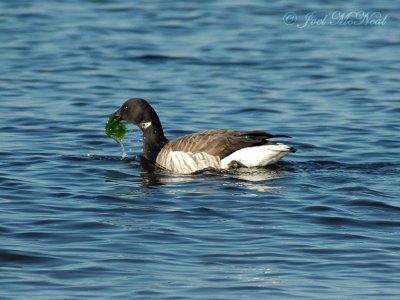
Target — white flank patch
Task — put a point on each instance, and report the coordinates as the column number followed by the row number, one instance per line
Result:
column 257, row 156
column 188, row 162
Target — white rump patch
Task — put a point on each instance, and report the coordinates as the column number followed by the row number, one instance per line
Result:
column 189, row 162
column 257, row 156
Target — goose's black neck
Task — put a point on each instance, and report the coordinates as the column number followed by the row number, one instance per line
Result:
column 153, row 139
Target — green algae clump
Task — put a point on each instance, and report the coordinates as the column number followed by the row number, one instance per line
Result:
column 115, row 129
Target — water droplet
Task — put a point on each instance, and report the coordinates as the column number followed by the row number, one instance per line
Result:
column 124, row 154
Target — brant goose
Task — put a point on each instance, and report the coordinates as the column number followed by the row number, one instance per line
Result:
column 216, row 149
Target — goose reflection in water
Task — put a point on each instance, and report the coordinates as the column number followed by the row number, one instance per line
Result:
column 251, row 179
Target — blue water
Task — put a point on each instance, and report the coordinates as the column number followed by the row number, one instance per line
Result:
column 78, row 222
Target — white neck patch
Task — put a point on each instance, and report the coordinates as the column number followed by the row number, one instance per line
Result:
column 145, row 125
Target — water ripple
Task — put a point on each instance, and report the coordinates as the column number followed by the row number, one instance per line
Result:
column 78, row 221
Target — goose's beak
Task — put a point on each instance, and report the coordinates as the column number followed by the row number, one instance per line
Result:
column 116, row 114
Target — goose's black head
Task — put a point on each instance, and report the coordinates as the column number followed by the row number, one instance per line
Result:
column 139, row 112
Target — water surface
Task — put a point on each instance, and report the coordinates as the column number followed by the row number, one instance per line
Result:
column 78, row 222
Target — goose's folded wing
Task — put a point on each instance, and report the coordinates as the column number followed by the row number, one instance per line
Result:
column 218, row 142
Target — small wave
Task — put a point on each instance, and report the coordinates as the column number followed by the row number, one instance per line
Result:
column 161, row 57
column 353, row 222
column 7, row 256
column 373, row 204
column 90, row 156
column 254, row 110
column 361, row 167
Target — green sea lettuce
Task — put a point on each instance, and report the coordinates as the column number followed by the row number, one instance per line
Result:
column 115, row 128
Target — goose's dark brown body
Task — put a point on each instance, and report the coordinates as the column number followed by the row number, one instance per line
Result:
column 218, row 142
